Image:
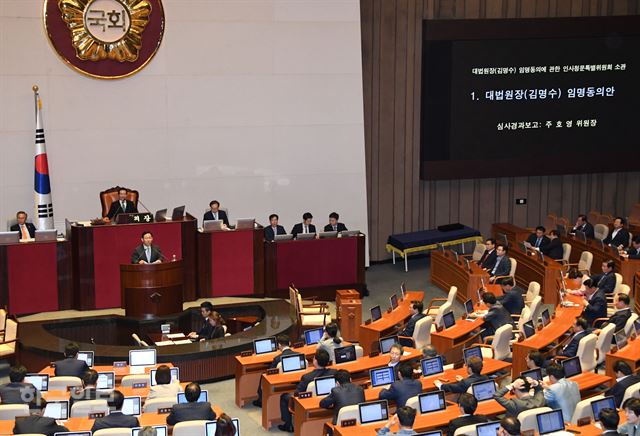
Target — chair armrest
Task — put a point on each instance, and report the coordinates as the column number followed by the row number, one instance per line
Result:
column 597, row 320
column 470, row 339
column 500, row 277
column 560, row 358
column 487, row 340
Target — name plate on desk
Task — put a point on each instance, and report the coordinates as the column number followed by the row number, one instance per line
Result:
column 120, row 364
column 347, row 423
column 304, row 395
column 272, row 371
column 134, row 218
column 139, row 385
column 164, row 410
column 246, row 353
column 96, row 415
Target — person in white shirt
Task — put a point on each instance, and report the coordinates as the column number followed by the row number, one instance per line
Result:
column 165, row 387
column 331, row 340
column 631, row 409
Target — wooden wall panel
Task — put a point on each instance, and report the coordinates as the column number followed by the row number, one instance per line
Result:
column 398, row 200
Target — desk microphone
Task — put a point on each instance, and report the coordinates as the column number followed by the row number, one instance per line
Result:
column 145, row 207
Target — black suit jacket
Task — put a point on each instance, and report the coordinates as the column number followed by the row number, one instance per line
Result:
column 341, row 228
column 411, row 324
column 115, row 420
column 139, row 253
column 571, row 349
column 71, row 367
column 513, row 301
column 553, row 249
column 620, row 387
column 341, row 396
column 633, row 253
column 276, row 360
column 462, row 386
column 606, row 282
column 587, row 229
column 488, row 260
column 622, row 238
column 597, row 307
column 205, row 330
column 619, row 318
column 37, row 424
column 308, row 377
column 298, row 229
column 190, row 412
column 504, row 267
column 533, row 238
column 30, row 228
column 495, row 318
column 116, row 209
column 268, row 232
column 216, row 332
column 12, row 393
column 465, row 420
column 222, row 215
column 400, row 391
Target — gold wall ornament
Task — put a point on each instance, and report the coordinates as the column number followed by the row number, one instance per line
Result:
column 106, row 29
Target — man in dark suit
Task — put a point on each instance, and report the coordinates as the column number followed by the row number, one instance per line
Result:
column 334, row 225
column 468, row 405
column 273, row 229
column 216, row 214
column 71, row 365
column 416, row 315
column 584, row 226
column 624, row 378
column 344, row 394
column 609, row 420
column 403, row 388
column 634, row 251
column 595, row 302
column 147, row 252
column 284, row 347
column 538, row 239
column 502, row 266
column 17, row 391
column 320, row 362
column 121, row 205
column 488, row 259
column 474, row 371
column 580, row 330
column 554, row 248
column 621, row 315
column 607, row 280
column 205, row 330
column 25, row 230
column 619, row 236
column 511, row 299
column 192, row 410
column 305, row 226
column 115, row 418
column 35, row 423
column 89, row 388
column 495, row 317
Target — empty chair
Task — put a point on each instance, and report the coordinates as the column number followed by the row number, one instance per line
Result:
column 139, row 341
column 593, row 216
column 422, row 332
column 446, row 307
column 82, row 409
column 600, row 231
column 478, row 251
column 152, row 405
column 618, row 283
column 10, row 411
column 118, row 431
column 587, row 352
column 130, row 380
column 349, row 412
column 501, row 343
column 536, row 309
column 532, row 292
column 359, row 351
column 317, row 319
column 584, row 410
column 432, row 309
column 584, row 263
column 190, row 428
column 603, row 345
column 566, row 252
column 631, row 391
column 8, row 345
column 62, row 383
column 528, row 419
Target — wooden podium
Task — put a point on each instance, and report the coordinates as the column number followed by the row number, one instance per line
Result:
column 151, row 290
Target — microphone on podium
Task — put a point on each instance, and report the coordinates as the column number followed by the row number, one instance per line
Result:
column 145, row 207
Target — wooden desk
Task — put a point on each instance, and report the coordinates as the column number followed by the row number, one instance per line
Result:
column 275, row 385
column 446, row 272
column 629, row 354
column 636, row 293
column 513, row 232
column 119, row 372
column 385, row 326
column 127, row 391
column 449, row 342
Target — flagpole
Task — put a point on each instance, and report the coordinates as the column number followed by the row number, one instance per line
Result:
column 42, row 185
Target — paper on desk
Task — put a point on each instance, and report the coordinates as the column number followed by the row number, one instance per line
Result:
column 84, row 223
column 184, row 341
column 175, row 335
column 163, row 343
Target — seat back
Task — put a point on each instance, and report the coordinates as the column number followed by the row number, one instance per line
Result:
column 587, row 352
column 10, row 411
column 629, row 325
column 563, row 222
column 514, row 266
column 566, row 252
column 422, row 332
column 129, row 380
column 444, row 308
column 584, row 410
column 3, row 318
column 478, row 251
column 82, row 409
column 62, row 383
column 618, row 283
column 601, row 231
column 117, row 431
column 632, row 391
column 413, row 402
column 603, row 345
column 153, row 404
column 500, row 344
column 451, row 297
column 110, row 195
column 528, row 419
column 11, row 331
column 525, row 316
column 624, row 289
column 469, row 430
column 359, row 351
column 348, row 412
column 532, row 292
column 550, row 221
column 593, row 216
column 536, row 309
column 605, row 219
column 586, row 259
column 190, row 428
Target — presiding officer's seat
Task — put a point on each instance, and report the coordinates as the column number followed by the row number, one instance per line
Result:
column 110, row 195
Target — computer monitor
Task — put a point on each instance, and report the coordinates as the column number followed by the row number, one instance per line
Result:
column 313, row 336
column 407, row 341
column 161, row 430
column 448, row 320
column 535, row 374
column 502, row 239
column 286, row 237
column 293, row 362
column 203, row 398
column 432, row 402
column 131, row 406
column 8, row 237
column 245, row 223
column 106, row 380
column 324, row 385
column 488, row 429
column 431, row 366
column 540, row 255
column 349, row 233
column 40, row 381
column 376, row 313
column 87, row 356
column 393, row 301
column 382, row 376
column 46, row 235
column 523, row 247
column 430, row 433
column 571, row 367
column 345, row 354
column 528, row 329
column 603, row 403
column 549, row 422
column 161, row 215
column 484, row 390
column 620, row 338
column 175, row 375
column 57, row 410
column 468, row 306
column 327, row 235
column 386, row 343
column 546, row 318
column 266, row 345
column 212, row 225
column 301, row 236
column 178, row 213
column 146, row 357
column 210, row 427
column 471, row 352
column 374, row 411
column 403, row 290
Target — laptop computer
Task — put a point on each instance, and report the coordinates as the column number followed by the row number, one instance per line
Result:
column 178, row 213
column 484, row 390
column 46, row 235
column 386, row 343
column 245, row 223
column 546, row 318
column 301, row 236
column 106, row 380
column 432, row 366
column 266, row 345
column 212, row 225
column 327, row 235
column 87, row 356
column 57, row 410
column 313, row 336
column 603, row 403
column 9, row 237
column 571, row 367
column 286, row 237
column 40, row 381
column 293, row 362
column 203, row 398
column 161, row 215
column 349, row 233
column 471, row 352
column 345, row 354
column 374, row 411
column 131, row 406
column 376, row 313
column 141, row 359
column 528, row 329
column 430, row 433
column 468, row 306
column 488, row 429
column 448, row 320
column 550, row 422
column 382, row 376
column 161, row 430
column 393, row 301
column 432, row 402
column 323, row 385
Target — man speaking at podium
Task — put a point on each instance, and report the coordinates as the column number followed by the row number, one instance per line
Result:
column 122, row 205
column 147, row 252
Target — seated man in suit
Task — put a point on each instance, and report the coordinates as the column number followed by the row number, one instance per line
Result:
column 216, row 214
column 121, row 205
column 403, row 388
column 609, row 420
column 634, row 251
column 624, row 378
column 474, row 370
column 495, row 317
column 521, row 399
column 502, row 267
column 621, row 315
column 405, row 417
column 273, row 229
column 580, row 329
column 538, row 239
column 554, row 248
column 584, row 226
column 115, row 418
column 17, row 391
column 334, row 225
column 535, row 360
column 192, row 410
column 631, row 409
column 559, row 392
column 395, row 354
column 488, row 259
column 619, row 237
column 509, row 426
column 595, row 302
column 26, row 230
column 305, row 226
column 511, row 299
column 205, row 331
column 35, row 423
column 284, row 347
column 147, row 252
column 416, row 315
column 320, row 362
column 607, row 280
column 468, row 406
column 71, row 365
column 344, row 394
column 89, row 389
